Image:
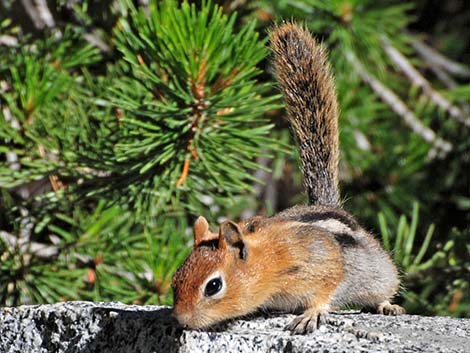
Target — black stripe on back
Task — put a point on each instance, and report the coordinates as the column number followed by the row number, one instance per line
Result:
column 345, row 239
column 323, row 216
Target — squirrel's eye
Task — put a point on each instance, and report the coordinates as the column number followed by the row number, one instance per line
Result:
column 213, row 287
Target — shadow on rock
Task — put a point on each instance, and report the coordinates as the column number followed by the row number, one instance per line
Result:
column 130, row 331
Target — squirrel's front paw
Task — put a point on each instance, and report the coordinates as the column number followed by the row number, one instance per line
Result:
column 308, row 322
column 386, row 308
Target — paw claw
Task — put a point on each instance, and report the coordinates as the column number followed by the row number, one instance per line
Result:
column 307, row 322
column 386, row 308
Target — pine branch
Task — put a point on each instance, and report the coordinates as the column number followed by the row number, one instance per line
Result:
column 418, row 80
column 11, row 156
column 25, row 246
column 94, row 39
column 433, row 57
column 265, row 186
column 235, row 5
column 39, row 13
column 8, row 40
column 398, row 106
column 443, row 76
column 188, row 106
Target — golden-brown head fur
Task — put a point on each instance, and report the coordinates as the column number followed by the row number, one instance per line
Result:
column 219, row 256
column 189, row 303
column 263, row 263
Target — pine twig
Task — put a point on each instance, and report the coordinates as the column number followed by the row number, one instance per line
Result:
column 45, row 13
column 56, row 184
column 444, row 76
column 8, row 41
column 39, row 13
column 184, row 173
column 433, row 57
column 418, row 80
column 11, row 156
column 235, row 5
column 28, row 247
column 267, row 187
column 94, row 39
column 23, row 240
column 198, row 89
column 398, row 106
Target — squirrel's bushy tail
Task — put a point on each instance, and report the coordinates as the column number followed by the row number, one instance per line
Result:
column 305, row 79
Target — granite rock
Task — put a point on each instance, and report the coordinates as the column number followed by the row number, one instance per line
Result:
column 84, row 327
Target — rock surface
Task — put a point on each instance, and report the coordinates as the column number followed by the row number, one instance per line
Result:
column 115, row 327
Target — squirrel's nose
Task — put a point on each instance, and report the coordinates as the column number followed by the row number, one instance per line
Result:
column 182, row 318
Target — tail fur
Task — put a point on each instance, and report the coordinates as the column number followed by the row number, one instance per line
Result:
column 308, row 87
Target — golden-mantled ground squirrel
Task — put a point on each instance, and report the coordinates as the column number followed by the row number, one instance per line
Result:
column 310, row 258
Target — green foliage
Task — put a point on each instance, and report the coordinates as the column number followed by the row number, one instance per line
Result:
column 114, row 139
column 123, row 122
column 102, row 255
column 404, row 241
column 188, row 96
column 416, row 269
column 36, row 80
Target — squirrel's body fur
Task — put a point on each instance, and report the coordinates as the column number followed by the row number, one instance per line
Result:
column 369, row 275
column 309, row 258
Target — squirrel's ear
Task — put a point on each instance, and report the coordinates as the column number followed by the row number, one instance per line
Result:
column 231, row 237
column 253, row 224
column 202, row 232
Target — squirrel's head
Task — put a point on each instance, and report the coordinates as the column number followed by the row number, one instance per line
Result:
column 210, row 285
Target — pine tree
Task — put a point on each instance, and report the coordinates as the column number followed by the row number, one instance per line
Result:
column 168, row 127
column 121, row 122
